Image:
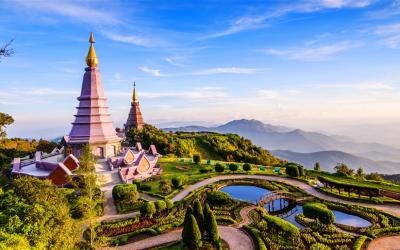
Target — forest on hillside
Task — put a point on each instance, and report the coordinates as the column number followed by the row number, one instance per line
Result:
column 229, row 147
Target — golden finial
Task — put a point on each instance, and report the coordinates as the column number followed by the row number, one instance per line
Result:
column 134, row 97
column 91, row 58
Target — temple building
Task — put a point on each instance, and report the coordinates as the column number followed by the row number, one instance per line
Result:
column 93, row 123
column 135, row 118
column 93, row 126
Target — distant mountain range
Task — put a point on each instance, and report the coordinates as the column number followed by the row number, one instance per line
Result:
column 308, row 147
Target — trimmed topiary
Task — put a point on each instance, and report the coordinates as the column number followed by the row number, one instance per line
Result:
column 193, row 234
column 218, row 198
column 233, row 167
column 318, row 211
column 179, row 181
column 198, row 214
column 219, row 168
column 211, row 226
column 126, row 193
column 169, row 203
column 148, row 209
column 246, row 167
column 160, row 205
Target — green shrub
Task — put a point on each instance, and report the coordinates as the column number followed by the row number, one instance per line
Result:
column 196, row 158
column 383, row 231
column 148, row 209
column 288, row 229
column 165, row 187
column 318, row 211
column 218, row 198
column 205, row 170
column 292, row 170
column 179, row 181
column 126, row 193
column 138, row 183
column 160, row 205
column 169, row 203
column 233, row 167
column 219, row 168
column 145, row 187
column 246, row 167
column 319, row 246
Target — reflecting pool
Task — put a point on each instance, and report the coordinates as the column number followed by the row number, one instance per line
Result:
column 247, row 193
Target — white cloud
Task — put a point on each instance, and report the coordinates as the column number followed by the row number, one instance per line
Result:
column 303, row 7
column 390, row 34
column 312, row 53
column 78, row 11
column 228, row 70
column 154, row 72
column 210, row 71
column 117, row 76
column 126, row 39
column 360, row 86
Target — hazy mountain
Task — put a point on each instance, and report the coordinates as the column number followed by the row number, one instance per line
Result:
column 282, row 138
column 328, row 159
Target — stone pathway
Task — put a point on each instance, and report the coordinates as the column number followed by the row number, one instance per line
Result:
column 236, row 239
column 385, row 243
column 244, row 213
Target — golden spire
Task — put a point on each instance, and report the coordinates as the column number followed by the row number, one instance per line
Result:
column 91, row 58
column 134, row 97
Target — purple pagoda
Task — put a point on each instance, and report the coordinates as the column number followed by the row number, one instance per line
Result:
column 135, row 118
column 93, row 123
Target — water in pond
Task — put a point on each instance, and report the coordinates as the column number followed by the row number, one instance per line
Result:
column 284, row 208
column 250, row 194
column 349, row 219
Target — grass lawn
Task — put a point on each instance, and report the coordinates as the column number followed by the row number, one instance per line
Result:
column 350, row 180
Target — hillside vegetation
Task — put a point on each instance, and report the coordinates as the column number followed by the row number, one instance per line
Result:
column 229, row 147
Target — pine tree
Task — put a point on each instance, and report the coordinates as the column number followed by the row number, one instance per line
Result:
column 198, row 214
column 193, row 240
column 189, row 212
column 211, row 225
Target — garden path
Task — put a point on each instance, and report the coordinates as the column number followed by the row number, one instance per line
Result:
column 385, row 243
column 392, row 209
column 236, row 239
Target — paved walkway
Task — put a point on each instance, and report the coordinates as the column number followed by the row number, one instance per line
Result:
column 385, row 243
column 236, row 239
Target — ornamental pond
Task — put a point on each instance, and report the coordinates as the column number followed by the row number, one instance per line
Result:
column 285, row 209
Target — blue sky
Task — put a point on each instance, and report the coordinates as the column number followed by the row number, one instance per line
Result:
column 326, row 65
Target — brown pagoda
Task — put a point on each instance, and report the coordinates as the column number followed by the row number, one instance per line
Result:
column 135, row 118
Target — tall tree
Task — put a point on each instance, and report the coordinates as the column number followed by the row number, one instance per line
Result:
column 89, row 194
column 193, row 234
column 317, row 167
column 189, row 212
column 5, row 120
column 198, row 214
column 360, row 172
column 211, row 226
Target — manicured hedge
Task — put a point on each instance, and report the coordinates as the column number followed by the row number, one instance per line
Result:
column 218, row 198
column 256, row 236
column 383, row 231
column 318, row 211
column 179, row 181
column 359, row 242
column 294, row 170
column 126, row 193
column 288, row 229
